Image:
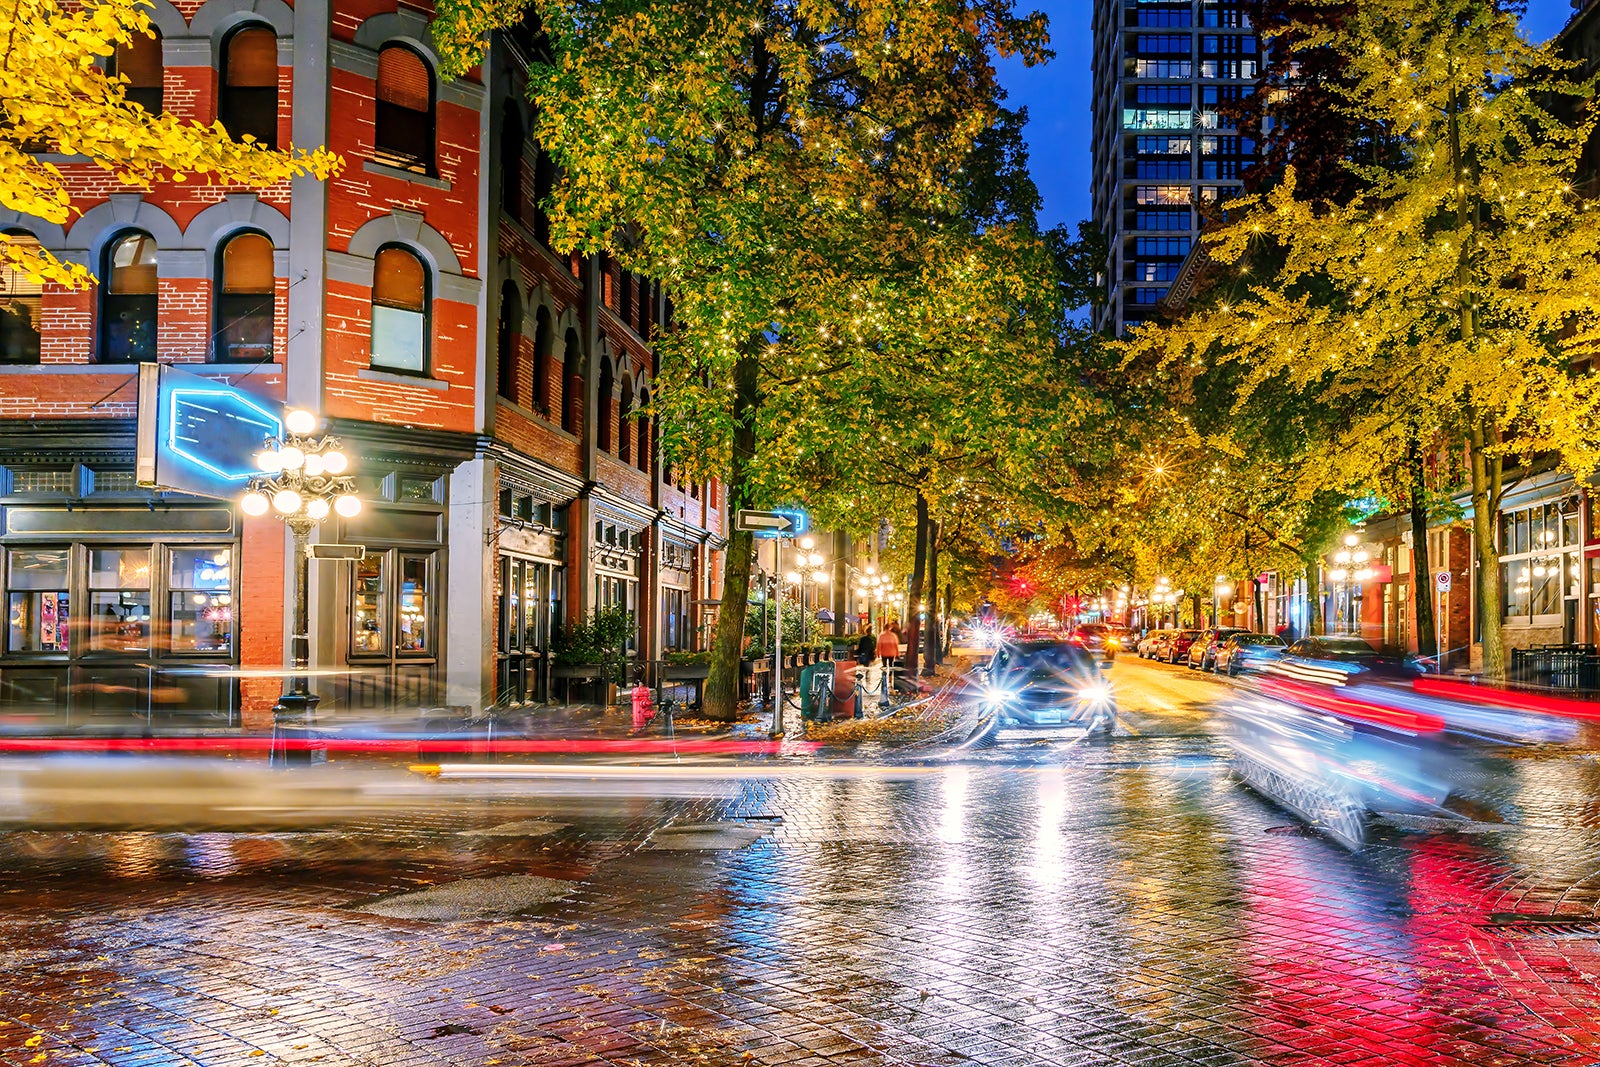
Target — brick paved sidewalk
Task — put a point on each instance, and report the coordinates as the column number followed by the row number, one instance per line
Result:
column 1132, row 906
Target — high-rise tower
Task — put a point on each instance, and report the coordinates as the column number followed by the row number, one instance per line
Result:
column 1165, row 144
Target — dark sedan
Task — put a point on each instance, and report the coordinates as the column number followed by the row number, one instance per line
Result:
column 1247, row 652
column 1341, row 659
column 1202, row 653
column 1048, row 683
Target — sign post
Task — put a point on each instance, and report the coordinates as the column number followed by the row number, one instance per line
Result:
column 1441, row 583
column 779, row 525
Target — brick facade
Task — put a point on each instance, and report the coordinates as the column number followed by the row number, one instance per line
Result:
column 439, row 454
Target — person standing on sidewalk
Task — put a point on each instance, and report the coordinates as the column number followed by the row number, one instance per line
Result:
column 888, row 654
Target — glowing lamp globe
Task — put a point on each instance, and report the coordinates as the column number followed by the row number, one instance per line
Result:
column 291, row 458
column 299, row 421
column 335, row 462
column 254, row 503
column 348, row 505
column 286, row 501
column 269, row 462
column 318, row 508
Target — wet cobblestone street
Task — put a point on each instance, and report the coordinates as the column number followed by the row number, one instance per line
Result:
column 1121, row 902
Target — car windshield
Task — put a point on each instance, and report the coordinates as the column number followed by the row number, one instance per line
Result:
column 1040, row 659
column 1258, row 639
column 1345, row 648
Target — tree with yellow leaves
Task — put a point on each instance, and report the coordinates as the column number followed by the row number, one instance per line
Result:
column 1458, row 289
column 792, row 174
column 57, row 96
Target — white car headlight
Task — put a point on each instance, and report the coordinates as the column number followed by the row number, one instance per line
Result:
column 1094, row 694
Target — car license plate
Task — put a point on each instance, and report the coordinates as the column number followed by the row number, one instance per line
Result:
column 1047, row 716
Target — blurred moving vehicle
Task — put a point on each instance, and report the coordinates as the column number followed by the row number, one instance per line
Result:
column 1048, row 683
column 1098, row 639
column 1341, row 659
column 1202, row 652
column 1247, row 652
column 1176, row 646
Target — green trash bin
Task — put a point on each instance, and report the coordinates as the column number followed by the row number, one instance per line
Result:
column 810, row 708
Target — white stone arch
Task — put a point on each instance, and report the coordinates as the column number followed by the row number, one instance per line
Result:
column 407, row 228
column 52, row 235
column 129, row 211
column 209, row 230
column 217, row 18
column 168, row 20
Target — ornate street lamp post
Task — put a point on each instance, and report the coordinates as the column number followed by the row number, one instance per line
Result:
column 303, row 480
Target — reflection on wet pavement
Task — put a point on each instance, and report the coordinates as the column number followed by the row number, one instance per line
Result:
column 1129, row 903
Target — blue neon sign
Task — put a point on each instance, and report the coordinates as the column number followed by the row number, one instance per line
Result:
column 200, row 436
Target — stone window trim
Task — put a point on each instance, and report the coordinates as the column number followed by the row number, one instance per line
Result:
column 402, row 227
column 408, row 27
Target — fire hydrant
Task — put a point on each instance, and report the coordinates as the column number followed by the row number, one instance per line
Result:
column 644, row 708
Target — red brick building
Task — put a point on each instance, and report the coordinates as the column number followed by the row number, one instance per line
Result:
column 484, row 385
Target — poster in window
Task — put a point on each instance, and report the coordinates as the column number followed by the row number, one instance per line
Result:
column 52, row 623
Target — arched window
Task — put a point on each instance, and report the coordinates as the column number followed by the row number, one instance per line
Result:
column 246, row 299
column 19, row 307
column 544, row 184
column 506, row 342
column 128, row 299
column 572, row 384
column 624, row 423
column 139, row 61
column 403, row 133
column 400, row 326
column 604, row 408
column 646, row 421
column 543, row 342
column 511, row 162
column 247, row 104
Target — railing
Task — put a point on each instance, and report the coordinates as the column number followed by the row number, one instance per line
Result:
column 1574, row 667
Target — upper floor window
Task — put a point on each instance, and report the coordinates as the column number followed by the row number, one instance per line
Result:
column 128, row 299
column 625, row 423
column 19, row 309
column 245, row 299
column 248, row 101
column 505, row 341
column 400, row 311
column 511, row 162
column 403, row 133
column 139, row 61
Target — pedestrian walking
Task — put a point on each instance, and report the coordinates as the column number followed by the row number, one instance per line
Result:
column 888, row 654
column 867, row 658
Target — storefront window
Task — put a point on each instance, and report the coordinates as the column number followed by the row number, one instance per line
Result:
column 367, row 604
column 200, row 591
column 119, row 600
column 414, row 632
column 37, row 608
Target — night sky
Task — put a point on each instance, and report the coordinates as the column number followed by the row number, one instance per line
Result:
column 1057, row 98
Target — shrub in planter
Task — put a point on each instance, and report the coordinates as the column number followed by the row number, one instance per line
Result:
column 601, row 641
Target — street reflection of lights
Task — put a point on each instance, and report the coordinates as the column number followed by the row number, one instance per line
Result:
column 1048, row 869
column 953, row 816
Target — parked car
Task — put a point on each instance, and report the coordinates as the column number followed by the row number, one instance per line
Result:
column 1148, row 643
column 1048, row 683
column 1098, row 640
column 1202, row 653
column 1340, row 659
column 1247, row 652
column 1176, row 647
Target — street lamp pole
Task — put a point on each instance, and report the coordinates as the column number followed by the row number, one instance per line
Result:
column 303, row 480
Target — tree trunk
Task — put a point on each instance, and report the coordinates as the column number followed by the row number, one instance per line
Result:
column 919, row 569
column 944, row 650
column 1421, row 569
column 931, row 642
column 1315, row 623
column 1258, row 600
column 721, row 697
column 1199, row 611
column 1486, row 475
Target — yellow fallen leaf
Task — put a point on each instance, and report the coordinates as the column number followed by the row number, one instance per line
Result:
column 34, row 1041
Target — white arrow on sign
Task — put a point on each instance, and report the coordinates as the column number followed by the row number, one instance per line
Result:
column 763, row 522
